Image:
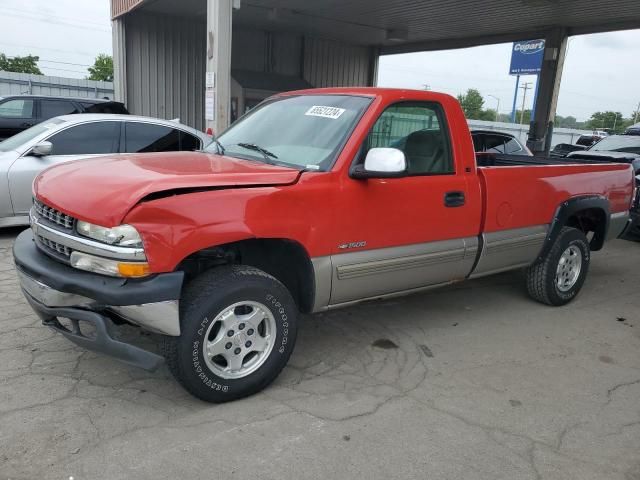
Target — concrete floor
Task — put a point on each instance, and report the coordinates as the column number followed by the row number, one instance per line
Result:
column 470, row 382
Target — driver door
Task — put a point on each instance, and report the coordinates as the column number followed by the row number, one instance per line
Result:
column 78, row 141
column 400, row 234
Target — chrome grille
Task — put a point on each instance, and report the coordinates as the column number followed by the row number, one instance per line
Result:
column 54, row 246
column 53, row 215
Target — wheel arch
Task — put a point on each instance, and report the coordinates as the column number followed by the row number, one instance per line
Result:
column 285, row 259
column 586, row 213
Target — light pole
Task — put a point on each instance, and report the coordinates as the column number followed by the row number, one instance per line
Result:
column 498, row 107
column 524, row 87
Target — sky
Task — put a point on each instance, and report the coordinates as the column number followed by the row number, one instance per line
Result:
column 601, row 71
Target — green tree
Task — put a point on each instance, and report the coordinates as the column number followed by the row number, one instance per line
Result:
column 27, row 64
column 566, row 122
column 102, row 68
column 614, row 121
column 527, row 116
column 488, row 114
column 471, row 103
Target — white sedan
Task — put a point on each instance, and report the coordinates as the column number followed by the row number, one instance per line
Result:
column 72, row 137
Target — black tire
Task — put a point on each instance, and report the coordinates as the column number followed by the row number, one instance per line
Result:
column 541, row 276
column 202, row 301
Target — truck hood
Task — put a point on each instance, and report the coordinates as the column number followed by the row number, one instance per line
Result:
column 102, row 190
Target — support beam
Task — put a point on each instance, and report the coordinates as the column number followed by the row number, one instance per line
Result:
column 218, row 82
column 119, row 60
column 541, row 127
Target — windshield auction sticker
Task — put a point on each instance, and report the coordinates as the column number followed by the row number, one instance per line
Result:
column 325, row 112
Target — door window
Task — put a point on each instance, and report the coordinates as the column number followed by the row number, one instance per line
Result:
column 104, row 107
column 512, row 146
column 418, row 129
column 146, row 137
column 495, row 143
column 18, row 108
column 189, row 142
column 87, row 139
column 477, row 143
column 55, row 108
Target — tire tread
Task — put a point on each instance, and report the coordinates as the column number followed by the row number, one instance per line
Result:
column 199, row 290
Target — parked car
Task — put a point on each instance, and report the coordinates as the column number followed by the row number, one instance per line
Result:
column 19, row 112
column 615, row 148
column 561, row 150
column 72, row 137
column 490, row 141
column 301, row 205
column 590, row 139
column 633, row 130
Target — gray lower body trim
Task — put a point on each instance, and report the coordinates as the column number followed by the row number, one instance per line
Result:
column 322, row 274
column 617, row 224
column 388, row 295
column 510, row 249
column 360, row 275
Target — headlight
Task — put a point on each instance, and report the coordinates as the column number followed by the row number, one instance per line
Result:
column 122, row 236
column 107, row 266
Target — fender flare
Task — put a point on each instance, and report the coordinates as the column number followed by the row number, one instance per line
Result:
column 568, row 208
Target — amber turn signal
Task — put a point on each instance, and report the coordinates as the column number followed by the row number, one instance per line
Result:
column 132, row 270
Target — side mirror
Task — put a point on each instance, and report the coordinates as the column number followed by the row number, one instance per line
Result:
column 381, row 163
column 41, row 149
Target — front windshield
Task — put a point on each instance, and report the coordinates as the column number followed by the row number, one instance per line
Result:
column 305, row 131
column 19, row 139
column 618, row 143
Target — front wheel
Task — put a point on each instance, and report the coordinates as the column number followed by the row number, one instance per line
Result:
column 558, row 277
column 238, row 329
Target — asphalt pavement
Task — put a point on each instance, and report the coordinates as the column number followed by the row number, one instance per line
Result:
column 473, row 381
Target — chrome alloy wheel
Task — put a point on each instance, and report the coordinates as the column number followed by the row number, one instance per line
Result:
column 569, row 268
column 239, row 340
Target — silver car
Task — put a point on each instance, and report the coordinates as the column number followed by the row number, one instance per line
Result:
column 72, row 137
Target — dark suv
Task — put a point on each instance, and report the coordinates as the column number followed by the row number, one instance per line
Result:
column 19, row 112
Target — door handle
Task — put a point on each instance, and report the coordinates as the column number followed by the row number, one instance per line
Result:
column 454, row 199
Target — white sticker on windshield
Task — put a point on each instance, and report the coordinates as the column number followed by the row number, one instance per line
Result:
column 325, row 112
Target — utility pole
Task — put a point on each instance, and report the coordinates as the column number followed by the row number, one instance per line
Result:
column 526, row 86
column 498, row 107
column 635, row 117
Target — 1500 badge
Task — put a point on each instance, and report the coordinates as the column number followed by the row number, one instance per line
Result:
column 344, row 246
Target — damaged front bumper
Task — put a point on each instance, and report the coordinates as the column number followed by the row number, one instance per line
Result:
column 55, row 290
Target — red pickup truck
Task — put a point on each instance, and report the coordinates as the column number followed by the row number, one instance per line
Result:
column 314, row 200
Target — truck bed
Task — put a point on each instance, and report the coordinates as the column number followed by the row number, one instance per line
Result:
column 530, row 193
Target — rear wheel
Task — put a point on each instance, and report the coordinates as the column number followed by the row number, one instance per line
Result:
column 238, row 329
column 558, row 277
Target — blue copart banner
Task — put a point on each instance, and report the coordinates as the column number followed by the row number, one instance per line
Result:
column 526, row 57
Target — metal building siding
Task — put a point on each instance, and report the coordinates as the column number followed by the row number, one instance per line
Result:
column 27, row 84
column 120, row 7
column 329, row 63
column 165, row 67
column 249, row 50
